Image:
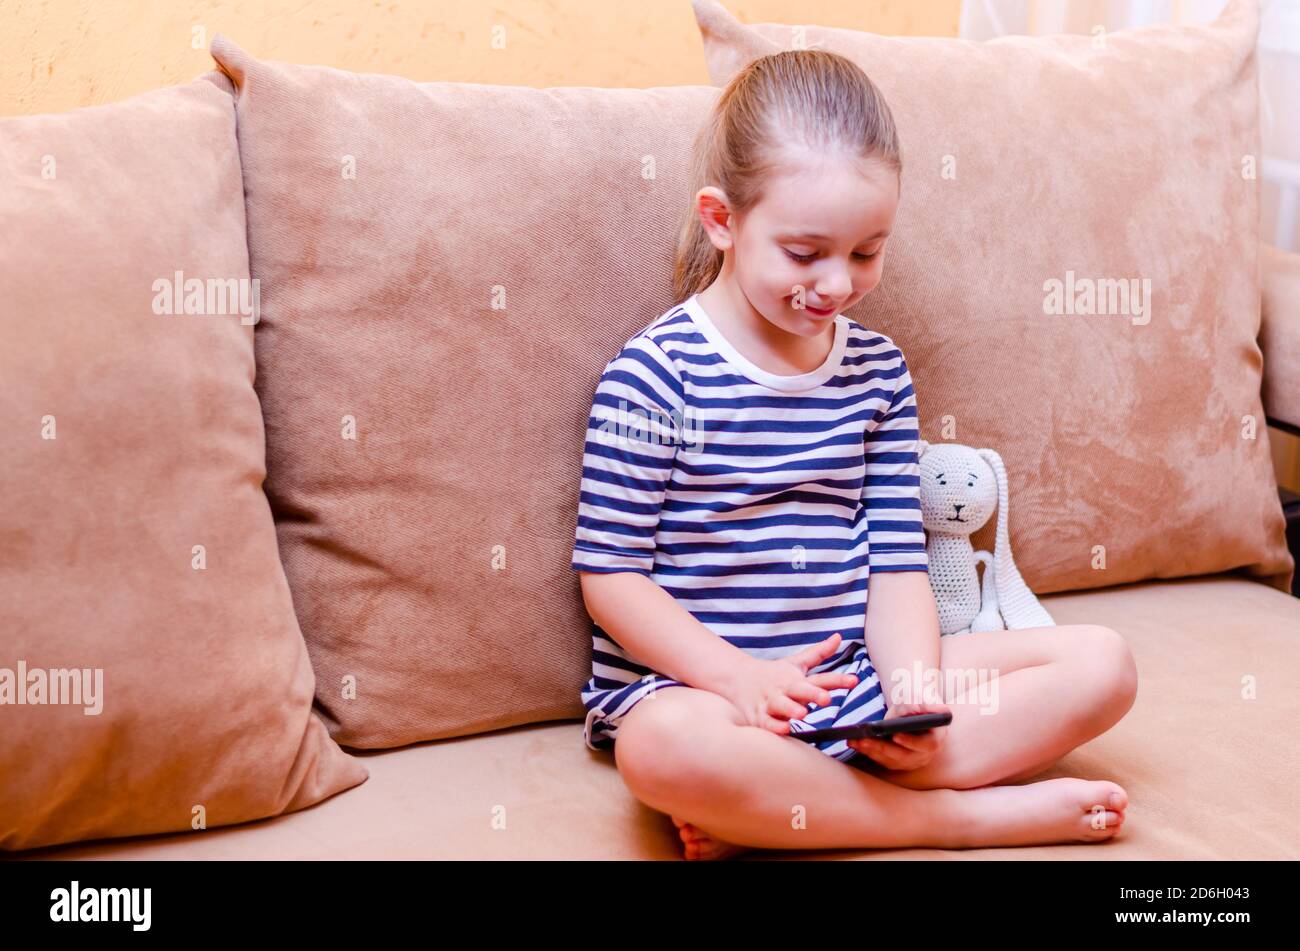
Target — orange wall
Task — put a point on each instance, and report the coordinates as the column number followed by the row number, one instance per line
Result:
column 57, row 54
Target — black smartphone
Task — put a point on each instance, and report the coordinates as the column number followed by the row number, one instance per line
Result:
column 916, row 723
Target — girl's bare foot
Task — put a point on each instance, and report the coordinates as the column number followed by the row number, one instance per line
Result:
column 1042, row 813
column 702, row 847
column 1053, row 810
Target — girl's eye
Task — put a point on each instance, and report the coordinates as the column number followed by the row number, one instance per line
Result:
column 805, row 258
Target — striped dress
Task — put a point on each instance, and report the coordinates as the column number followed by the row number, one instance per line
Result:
column 761, row 502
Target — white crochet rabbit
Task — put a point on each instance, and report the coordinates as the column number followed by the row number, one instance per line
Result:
column 959, row 488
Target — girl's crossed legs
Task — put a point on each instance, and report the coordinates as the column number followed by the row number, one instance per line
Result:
column 686, row 752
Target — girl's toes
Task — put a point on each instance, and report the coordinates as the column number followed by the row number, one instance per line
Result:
column 1108, row 795
column 1100, row 825
column 1101, row 794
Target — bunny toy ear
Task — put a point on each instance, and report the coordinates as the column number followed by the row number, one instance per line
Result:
column 1017, row 603
column 922, row 446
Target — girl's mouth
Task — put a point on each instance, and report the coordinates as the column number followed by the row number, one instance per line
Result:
column 819, row 313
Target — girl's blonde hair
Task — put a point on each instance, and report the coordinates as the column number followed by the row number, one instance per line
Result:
column 811, row 98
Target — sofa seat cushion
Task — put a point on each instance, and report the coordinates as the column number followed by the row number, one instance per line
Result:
column 1206, row 775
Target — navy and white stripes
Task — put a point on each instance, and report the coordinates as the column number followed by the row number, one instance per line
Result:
column 760, row 502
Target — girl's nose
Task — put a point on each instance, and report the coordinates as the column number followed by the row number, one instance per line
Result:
column 835, row 286
column 834, row 290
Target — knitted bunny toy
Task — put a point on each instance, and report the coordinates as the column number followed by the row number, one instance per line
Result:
column 959, row 488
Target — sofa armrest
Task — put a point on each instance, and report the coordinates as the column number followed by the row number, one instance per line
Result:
column 1279, row 336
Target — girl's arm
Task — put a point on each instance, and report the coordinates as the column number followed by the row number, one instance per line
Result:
column 902, row 622
column 902, row 627
column 647, row 622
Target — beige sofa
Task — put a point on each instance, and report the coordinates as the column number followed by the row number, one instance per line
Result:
column 1205, row 753
column 1209, row 775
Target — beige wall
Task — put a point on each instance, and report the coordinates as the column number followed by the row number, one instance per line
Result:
column 57, row 54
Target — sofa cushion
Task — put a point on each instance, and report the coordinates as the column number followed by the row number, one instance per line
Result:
column 1039, row 173
column 445, row 270
column 137, row 551
column 1197, row 753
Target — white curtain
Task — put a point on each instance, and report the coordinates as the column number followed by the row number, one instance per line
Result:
column 1279, row 64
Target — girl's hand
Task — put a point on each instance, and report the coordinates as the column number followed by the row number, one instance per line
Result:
column 904, row 751
column 771, row 693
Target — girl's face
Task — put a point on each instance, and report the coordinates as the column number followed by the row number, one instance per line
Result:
column 814, row 245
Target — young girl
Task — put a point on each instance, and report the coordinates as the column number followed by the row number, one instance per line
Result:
column 749, row 535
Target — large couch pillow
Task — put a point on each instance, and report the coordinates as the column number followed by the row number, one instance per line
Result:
column 1039, row 173
column 152, row 674
column 445, row 270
